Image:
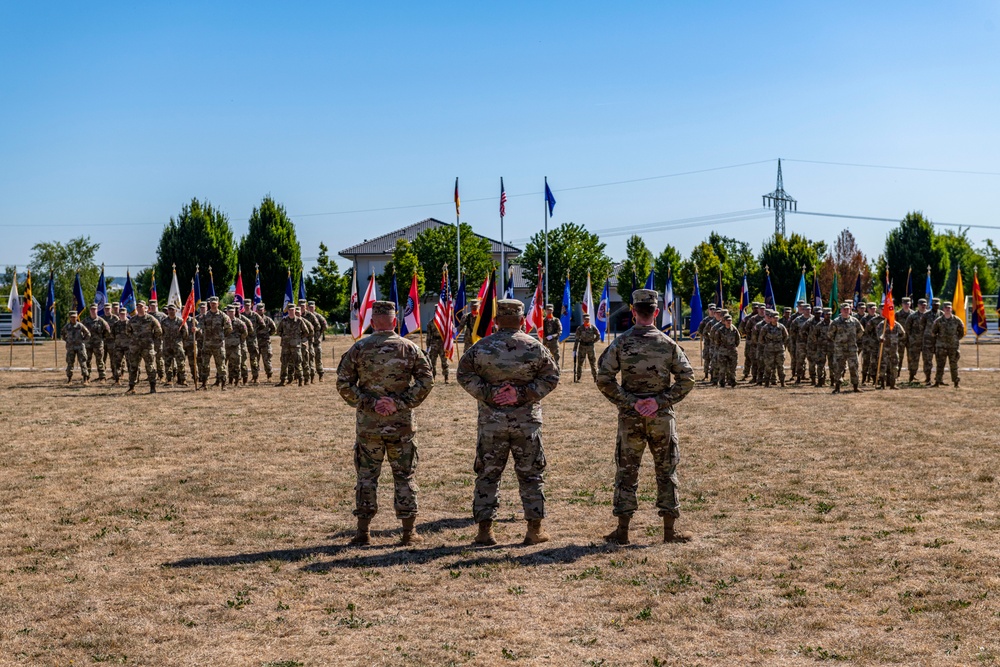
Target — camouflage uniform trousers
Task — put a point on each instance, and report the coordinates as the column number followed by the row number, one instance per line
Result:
column 371, row 448
column 147, row 355
column 951, row 356
column 74, row 355
column 913, row 358
column 727, row 360
column 253, row 357
column 244, row 361
column 799, row 366
column 553, row 347
column 291, row 362
column 264, row 349
column 234, row 361
column 158, row 356
column 817, row 365
column 749, row 359
column 173, row 362
column 928, row 355
column 95, row 352
column 888, row 368
column 119, row 353
column 848, row 358
column 317, row 356
column 218, row 354
column 434, row 352
column 634, row 434
column 774, row 363
column 497, row 442
column 308, row 363
column 869, row 357
column 585, row 352
column 758, row 367
column 194, row 361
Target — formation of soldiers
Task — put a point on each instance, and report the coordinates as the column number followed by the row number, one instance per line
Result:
column 822, row 347
column 237, row 339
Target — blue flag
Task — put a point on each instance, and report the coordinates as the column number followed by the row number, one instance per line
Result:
column 566, row 318
column 603, row 309
column 549, row 199
column 197, row 286
column 929, row 290
column 256, row 289
column 800, row 293
column 768, row 291
column 49, row 319
column 817, row 297
column 651, row 279
column 289, row 294
column 79, row 304
column 128, row 294
column 857, row 291
column 744, row 298
column 460, row 303
column 302, row 287
column 393, row 296
column 697, row 314
column 509, row 293
column 101, row 296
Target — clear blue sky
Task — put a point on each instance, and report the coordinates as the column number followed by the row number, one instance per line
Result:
column 116, row 114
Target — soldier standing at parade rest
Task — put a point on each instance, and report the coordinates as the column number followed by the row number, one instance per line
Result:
column 948, row 332
column 234, row 344
column 706, row 345
column 217, row 327
column 902, row 315
column 647, row 359
column 819, row 342
column 798, row 342
column 318, row 337
column 305, row 346
column 551, row 330
column 711, row 333
column 844, row 334
column 203, row 357
column 746, row 326
column 509, row 373
column 773, row 339
column 914, row 326
column 467, row 325
column 143, row 331
column 890, row 342
column 929, row 349
column 758, row 346
column 807, row 338
column 253, row 323
column 157, row 343
column 786, row 317
column 869, row 344
column 265, row 329
column 727, row 341
column 100, row 331
column 384, row 377
column 119, row 350
column 435, row 350
column 110, row 318
column 248, row 346
column 191, row 346
column 174, row 336
column 583, row 348
column 76, row 334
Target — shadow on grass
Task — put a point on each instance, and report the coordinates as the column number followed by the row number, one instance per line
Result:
column 428, row 527
column 569, row 553
column 288, row 555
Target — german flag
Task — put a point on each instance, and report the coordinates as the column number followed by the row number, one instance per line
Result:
column 27, row 323
column 487, row 310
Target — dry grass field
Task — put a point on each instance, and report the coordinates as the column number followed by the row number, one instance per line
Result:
column 208, row 528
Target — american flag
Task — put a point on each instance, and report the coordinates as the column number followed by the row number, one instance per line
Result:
column 503, row 199
column 444, row 317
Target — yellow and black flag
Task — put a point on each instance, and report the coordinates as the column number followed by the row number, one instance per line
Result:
column 27, row 321
column 487, row 310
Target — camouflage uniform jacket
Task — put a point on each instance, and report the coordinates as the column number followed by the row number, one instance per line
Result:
column 253, row 318
column 508, row 356
column 785, row 321
column 930, row 317
column 704, row 323
column 870, row 337
column 728, row 339
column 266, row 327
column 757, row 330
column 795, row 328
column 914, row 326
column 293, row 332
column 142, row 331
column 97, row 327
column 434, row 336
column 552, row 327
column 193, row 333
column 748, row 324
column 896, row 337
column 216, row 327
column 383, row 364
column 250, row 327
column 774, row 336
column 467, row 324
column 159, row 316
column 948, row 331
column 586, row 334
column 819, row 336
column 75, row 335
column 173, row 330
column 237, row 332
column 845, row 334
column 647, row 359
column 321, row 326
column 805, row 329
column 119, row 333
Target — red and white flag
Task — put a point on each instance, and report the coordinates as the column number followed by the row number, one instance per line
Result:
column 536, row 311
column 588, row 301
column 188, row 309
column 365, row 310
column 238, row 296
column 411, row 312
column 355, row 306
column 444, row 317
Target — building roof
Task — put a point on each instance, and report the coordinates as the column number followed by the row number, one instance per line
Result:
column 521, row 277
column 385, row 244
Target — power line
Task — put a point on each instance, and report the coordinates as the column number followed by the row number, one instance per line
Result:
column 866, row 217
column 884, row 166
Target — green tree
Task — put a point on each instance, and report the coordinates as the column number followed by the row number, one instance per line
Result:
column 638, row 263
column 63, row 260
column 572, row 250
column 435, row 247
column 962, row 254
column 669, row 259
column 143, row 281
column 785, row 256
column 199, row 235
column 404, row 262
column 271, row 244
column 325, row 286
column 992, row 254
column 914, row 245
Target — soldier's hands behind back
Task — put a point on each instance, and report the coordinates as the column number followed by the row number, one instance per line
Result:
column 505, row 395
column 385, row 406
column 646, row 407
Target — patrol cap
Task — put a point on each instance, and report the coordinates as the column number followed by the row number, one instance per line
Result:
column 906, row 299
column 871, row 304
column 645, row 296
column 922, row 301
column 213, row 299
column 946, row 304
column 807, row 306
column 474, row 302
column 548, row 306
column 803, row 303
column 727, row 318
column 847, row 305
column 72, row 313
column 936, row 300
column 93, row 306
column 230, row 307
column 140, row 303
column 152, row 301
column 786, row 309
column 260, row 306
column 828, row 311
column 725, row 311
column 586, row 316
column 171, row 306
column 302, row 301
column 312, row 303
column 711, row 306
column 383, row 308
column 756, row 304
column 512, row 308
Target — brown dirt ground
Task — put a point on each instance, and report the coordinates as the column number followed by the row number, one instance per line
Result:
column 193, row 528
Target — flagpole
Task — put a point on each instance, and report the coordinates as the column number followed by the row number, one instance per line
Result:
column 503, row 255
column 55, row 336
column 10, row 363
column 545, row 206
column 458, row 231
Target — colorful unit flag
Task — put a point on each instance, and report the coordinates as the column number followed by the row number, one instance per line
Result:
column 509, row 294
column 367, row 302
column 667, row 319
column 888, row 312
column 458, row 306
column 189, row 305
column 394, row 296
column 49, row 319
column 302, row 284
column 458, row 202
column 928, row 290
column 834, row 294
column 602, row 309
column 587, row 305
column 651, row 280
column 174, row 295
column 536, row 311
column 697, row 314
column 101, row 295
column 289, row 295
column 817, row 296
column 503, row 199
column 14, row 306
column 768, row 290
column 256, row 288
column 411, row 311
column 27, row 308
column 857, row 292
column 128, row 294
column 211, row 282
column 744, row 298
column 487, row 310
column 800, row 293
column 550, row 200
column 444, row 317
column 958, row 300
column 79, row 303
column 978, row 307
column 197, row 285
column 152, row 287
column 566, row 315
column 238, row 297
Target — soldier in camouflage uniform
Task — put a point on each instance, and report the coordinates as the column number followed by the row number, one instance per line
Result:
column 265, row 330
column 435, row 350
column 174, row 335
column 786, row 318
column 292, row 331
column 758, row 347
column 109, row 316
column 100, row 331
column 712, row 333
column 235, row 338
column 217, row 328
column 807, row 338
column 706, row 344
column 119, row 347
column 727, row 340
column 583, row 348
column 192, row 343
column 844, row 334
column 305, row 347
column 253, row 322
column 914, row 326
column 467, row 324
column 869, row 343
column 820, row 349
column 890, row 344
column 551, row 331
column 158, row 342
column 317, row 340
column 509, row 373
column 773, row 339
column 203, row 357
column 930, row 317
column 76, row 335
column 798, row 343
column 143, row 331
column 749, row 353
column 646, row 358
column 385, row 376
column 948, row 332
column 902, row 315
column 245, row 353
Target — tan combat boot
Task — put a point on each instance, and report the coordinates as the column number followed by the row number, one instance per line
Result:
column 620, row 534
column 485, row 535
column 410, row 535
column 536, row 534
column 363, row 538
column 671, row 535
